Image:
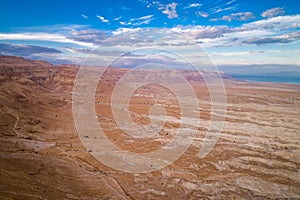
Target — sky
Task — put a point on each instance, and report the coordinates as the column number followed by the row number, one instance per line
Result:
column 232, row 33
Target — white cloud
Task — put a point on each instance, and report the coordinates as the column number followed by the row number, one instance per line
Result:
column 145, row 17
column 56, row 28
column 200, row 32
column 84, row 16
column 118, row 18
column 202, row 14
column 161, row 7
column 170, row 10
column 124, row 23
column 193, row 5
column 43, row 37
column 279, row 29
column 218, row 9
column 274, row 12
column 240, row 16
column 280, row 23
column 93, row 36
column 230, row 2
column 138, row 21
column 102, row 19
column 286, row 38
column 242, row 53
column 233, row 38
column 267, row 33
column 262, row 32
column 125, row 30
column 156, row 4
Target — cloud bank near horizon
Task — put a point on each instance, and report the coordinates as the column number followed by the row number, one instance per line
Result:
column 231, row 36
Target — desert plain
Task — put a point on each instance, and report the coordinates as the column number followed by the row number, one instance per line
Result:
column 257, row 155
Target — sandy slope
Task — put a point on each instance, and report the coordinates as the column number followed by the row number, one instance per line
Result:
column 41, row 156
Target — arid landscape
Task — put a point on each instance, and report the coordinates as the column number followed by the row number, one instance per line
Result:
column 257, row 155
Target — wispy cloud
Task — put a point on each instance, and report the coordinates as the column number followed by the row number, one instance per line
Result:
column 156, row 4
column 88, row 36
column 286, row 38
column 125, row 30
column 267, row 31
column 274, row 12
column 145, row 17
column 193, row 5
column 138, row 21
column 102, row 19
column 56, row 28
column 48, row 37
column 278, row 28
column 240, row 53
column 125, row 8
column 201, row 32
column 78, row 40
column 84, row 16
column 230, row 2
column 118, row 18
column 202, row 14
column 170, row 10
column 240, row 16
column 219, row 9
column 281, row 23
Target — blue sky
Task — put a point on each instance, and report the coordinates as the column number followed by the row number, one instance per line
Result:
column 233, row 32
column 15, row 14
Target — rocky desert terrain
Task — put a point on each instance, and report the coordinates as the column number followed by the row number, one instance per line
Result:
column 257, row 155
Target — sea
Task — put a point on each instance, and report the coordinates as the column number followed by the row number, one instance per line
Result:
column 264, row 73
column 274, row 79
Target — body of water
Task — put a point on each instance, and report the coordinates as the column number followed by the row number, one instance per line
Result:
column 275, row 79
column 264, row 73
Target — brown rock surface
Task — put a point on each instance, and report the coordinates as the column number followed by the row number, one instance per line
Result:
column 42, row 157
